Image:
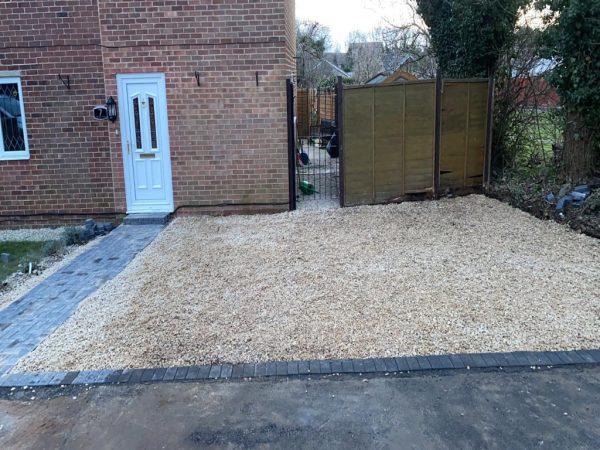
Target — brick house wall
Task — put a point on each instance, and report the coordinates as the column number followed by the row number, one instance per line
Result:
column 69, row 169
column 228, row 136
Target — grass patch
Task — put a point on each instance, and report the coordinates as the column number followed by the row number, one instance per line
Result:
column 19, row 251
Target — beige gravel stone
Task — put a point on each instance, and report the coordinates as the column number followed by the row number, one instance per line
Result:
column 462, row 275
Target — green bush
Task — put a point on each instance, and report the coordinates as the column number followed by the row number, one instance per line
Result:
column 74, row 236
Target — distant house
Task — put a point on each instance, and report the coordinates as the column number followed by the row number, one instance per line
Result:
column 193, row 90
column 314, row 72
column 398, row 76
column 536, row 92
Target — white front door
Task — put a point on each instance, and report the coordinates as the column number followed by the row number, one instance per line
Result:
column 145, row 140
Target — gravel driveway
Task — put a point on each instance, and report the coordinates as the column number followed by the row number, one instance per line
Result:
column 462, row 275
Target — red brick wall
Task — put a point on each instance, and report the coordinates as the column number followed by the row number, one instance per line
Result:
column 69, row 168
column 228, row 137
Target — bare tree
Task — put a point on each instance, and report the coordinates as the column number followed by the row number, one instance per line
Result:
column 405, row 39
column 312, row 41
column 365, row 56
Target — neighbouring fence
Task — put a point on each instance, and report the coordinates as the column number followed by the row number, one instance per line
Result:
column 422, row 137
column 313, row 106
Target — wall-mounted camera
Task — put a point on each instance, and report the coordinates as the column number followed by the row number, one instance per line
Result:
column 107, row 111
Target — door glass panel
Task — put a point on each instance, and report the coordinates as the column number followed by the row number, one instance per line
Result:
column 152, row 123
column 10, row 118
column 136, row 119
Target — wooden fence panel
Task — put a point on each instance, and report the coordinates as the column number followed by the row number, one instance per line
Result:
column 312, row 107
column 390, row 139
column 477, row 134
column 359, row 146
column 389, row 143
column 454, row 138
column 420, row 138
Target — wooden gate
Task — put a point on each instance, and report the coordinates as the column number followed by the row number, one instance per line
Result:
column 422, row 137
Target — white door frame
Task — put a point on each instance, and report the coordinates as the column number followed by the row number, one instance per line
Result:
column 159, row 79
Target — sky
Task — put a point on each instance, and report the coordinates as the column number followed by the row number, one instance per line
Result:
column 344, row 16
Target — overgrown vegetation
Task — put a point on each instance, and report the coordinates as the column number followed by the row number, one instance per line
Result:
column 22, row 253
column 547, row 105
column 19, row 252
column 572, row 38
column 469, row 36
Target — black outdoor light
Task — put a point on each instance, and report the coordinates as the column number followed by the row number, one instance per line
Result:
column 111, row 109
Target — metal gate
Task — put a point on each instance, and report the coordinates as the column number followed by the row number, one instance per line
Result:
column 314, row 116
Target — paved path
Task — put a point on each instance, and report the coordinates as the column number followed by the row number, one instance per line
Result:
column 29, row 320
column 553, row 409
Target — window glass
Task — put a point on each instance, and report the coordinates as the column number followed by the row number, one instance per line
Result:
column 12, row 122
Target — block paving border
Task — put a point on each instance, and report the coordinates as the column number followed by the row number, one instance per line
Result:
column 286, row 369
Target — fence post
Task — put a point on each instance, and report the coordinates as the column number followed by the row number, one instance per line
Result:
column 487, row 170
column 291, row 144
column 438, row 134
column 339, row 122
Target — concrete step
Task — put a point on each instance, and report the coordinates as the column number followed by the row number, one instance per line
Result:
column 147, row 219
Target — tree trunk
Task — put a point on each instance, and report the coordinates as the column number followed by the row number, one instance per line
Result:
column 578, row 153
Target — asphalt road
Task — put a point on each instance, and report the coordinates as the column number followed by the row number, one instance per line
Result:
column 558, row 408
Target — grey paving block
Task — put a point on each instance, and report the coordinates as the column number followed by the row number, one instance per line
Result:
column 423, row 362
column 260, row 370
column 541, row 358
column 369, row 365
column 595, row 354
column 57, row 378
column 522, row 358
column 46, row 379
column 159, row 374
column 114, row 376
column 390, row 365
column 292, row 367
column 101, row 376
column 325, row 368
column 125, row 376
column 511, row 360
column 12, row 380
column 147, row 375
column 204, row 372
column 556, row 361
column 215, row 371
column 226, row 371
column 565, row 358
column 249, row 370
column 181, row 373
column 489, row 359
column 336, row 366
column 402, row 363
column 314, row 367
column 347, row 366
column 69, row 377
column 457, row 361
column 478, row 361
column 238, row 371
column 136, row 376
column 359, row 365
column 501, row 360
column 412, row 362
column 282, row 368
column 303, row 368
column 440, row 362
column 85, row 377
column 271, row 369
column 586, row 356
column 380, row 365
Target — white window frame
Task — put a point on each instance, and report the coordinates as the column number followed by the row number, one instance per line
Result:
column 15, row 155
